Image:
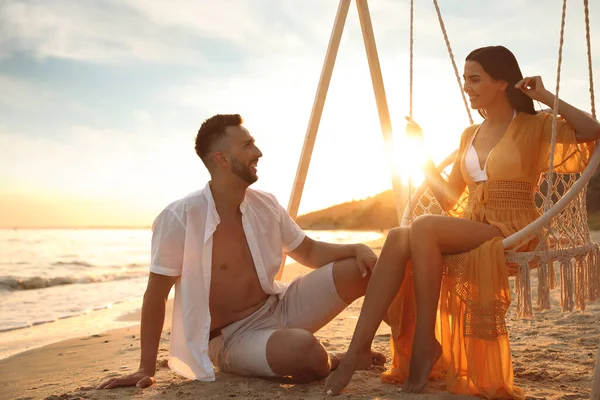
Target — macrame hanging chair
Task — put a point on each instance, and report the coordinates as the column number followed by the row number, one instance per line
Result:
column 562, row 228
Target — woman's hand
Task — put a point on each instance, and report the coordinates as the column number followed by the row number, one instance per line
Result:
column 413, row 130
column 534, row 88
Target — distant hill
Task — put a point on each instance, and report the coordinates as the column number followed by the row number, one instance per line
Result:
column 379, row 212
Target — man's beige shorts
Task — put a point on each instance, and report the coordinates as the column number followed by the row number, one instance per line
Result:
column 310, row 303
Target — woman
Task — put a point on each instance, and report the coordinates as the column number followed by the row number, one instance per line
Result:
column 500, row 161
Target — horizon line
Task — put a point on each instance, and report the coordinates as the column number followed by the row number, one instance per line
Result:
column 75, row 227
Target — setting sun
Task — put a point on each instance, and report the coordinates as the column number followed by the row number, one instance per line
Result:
column 409, row 157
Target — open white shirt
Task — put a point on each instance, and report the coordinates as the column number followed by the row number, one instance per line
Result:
column 182, row 242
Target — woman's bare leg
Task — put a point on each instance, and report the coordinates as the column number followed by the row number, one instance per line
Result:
column 383, row 286
column 432, row 236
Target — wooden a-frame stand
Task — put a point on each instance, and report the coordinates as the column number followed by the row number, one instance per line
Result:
column 400, row 191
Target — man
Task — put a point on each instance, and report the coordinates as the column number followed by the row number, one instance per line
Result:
column 222, row 247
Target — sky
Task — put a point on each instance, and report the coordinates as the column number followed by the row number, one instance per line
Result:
column 100, row 101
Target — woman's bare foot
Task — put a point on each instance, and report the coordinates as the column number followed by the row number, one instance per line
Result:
column 421, row 364
column 347, row 364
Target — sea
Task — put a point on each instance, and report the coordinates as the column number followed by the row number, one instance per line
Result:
column 57, row 284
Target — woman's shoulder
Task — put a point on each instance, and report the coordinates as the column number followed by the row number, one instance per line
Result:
column 537, row 118
column 468, row 132
column 531, row 123
column 539, row 123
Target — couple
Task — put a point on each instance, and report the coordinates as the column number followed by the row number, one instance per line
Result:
column 221, row 248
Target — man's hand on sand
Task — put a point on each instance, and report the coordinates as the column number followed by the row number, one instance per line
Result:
column 140, row 379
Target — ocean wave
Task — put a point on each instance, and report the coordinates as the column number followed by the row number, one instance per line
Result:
column 14, row 328
column 9, row 283
column 78, row 263
column 16, row 325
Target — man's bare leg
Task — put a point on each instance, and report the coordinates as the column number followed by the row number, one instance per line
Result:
column 297, row 353
column 383, row 286
column 432, row 236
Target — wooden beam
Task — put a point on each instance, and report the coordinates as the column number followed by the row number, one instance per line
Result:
column 399, row 190
column 316, row 113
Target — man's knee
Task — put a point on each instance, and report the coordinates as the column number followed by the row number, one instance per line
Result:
column 312, row 356
column 346, row 271
column 304, row 358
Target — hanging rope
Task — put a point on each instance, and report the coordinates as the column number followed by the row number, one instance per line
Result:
column 589, row 56
column 439, row 14
column 410, row 80
column 409, row 190
column 548, row 200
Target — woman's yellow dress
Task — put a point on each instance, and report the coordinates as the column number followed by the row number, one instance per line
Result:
column 475, row 292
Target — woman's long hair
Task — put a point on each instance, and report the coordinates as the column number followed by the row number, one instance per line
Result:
column 501, row 64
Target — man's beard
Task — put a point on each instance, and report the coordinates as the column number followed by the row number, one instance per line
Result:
column 242, row 171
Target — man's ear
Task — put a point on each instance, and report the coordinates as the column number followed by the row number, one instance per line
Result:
column 220, row 158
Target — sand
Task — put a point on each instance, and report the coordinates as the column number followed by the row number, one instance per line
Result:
column 553, row 355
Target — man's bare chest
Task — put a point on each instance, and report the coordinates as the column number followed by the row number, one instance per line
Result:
column 231, row 255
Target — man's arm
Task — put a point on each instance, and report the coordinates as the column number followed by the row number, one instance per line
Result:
column 315, row 254
column 153, row 316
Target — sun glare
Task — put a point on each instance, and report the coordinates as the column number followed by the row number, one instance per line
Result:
column 409, row 157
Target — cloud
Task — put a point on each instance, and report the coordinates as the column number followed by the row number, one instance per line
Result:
column 192, row 32
column 179, row 32
column 27, row 97
column 22, row 93
column 106, row 32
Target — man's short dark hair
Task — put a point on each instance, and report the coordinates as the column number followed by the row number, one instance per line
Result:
column 212, row 132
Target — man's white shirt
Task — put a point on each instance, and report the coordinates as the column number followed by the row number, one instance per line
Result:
column 182, row 243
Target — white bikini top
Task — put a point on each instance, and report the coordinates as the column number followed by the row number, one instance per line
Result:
column 472, row 160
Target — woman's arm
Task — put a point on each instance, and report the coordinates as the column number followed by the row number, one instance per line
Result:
column 586, row 128
column 448, row 192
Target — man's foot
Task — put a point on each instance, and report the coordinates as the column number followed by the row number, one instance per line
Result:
column 347, row 364
column 421, row 363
